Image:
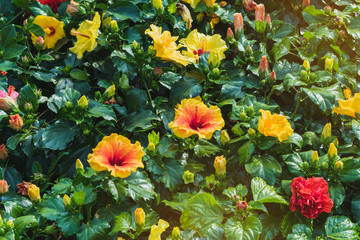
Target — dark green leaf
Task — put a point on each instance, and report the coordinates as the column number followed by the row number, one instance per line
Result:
column 340, row 227
column 238, row 229
column 139, row 186
column 205, row 148
column 215, row 232
column 23, row 223
column 265, row 166
column 122, row 223
column 265, row 193
column 337, row 193
column 350, row 171
column 97, row 109
column 125, row 10
column 96, row 229
column 140, row 120
column 62, row 186
column 240, row 191
column 58, row 135
column 300, row 232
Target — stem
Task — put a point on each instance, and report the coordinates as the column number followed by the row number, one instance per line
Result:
column 297, row 106
column 14, row 18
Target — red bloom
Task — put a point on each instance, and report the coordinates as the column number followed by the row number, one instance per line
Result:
column 54, row 4
column 310, row 196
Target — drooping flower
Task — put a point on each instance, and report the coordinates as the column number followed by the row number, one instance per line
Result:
column 34, row 192
column 349, row 107
column 139, row 216
column 7, row 100
column 165, row 45
column 192, row 116
column 16, row 122
column 238, row 22
column 54, row 4
column 72, row 7
column 23, row 188
column 198, row 43
column 53, row 28
column 157, row 230
column 347, row 93
column 249, row 5
column 185, row 14
column 3, row 152
column 86, row 36
column 4, row 187
column 274, row 125
column 310, row 196
column 116, row 154
column 260, row 12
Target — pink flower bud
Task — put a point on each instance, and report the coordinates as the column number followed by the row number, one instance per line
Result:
column 241, row 205
column 259, row 12
column 4, row 187
column 272, row 75
column 268, row 19
column 305, row 3
column 229, row 33
column 263, row 66
column 327, row 9
column 3, row 152
column 238, row 22
column 40, row 41
column 157, row 71
column 72, row 7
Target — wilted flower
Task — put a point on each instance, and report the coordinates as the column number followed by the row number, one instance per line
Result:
column 329, row 62
column 220, row 165
column 263, row 65
column 4, row 187
column 157, row 71
column 310, row 196
column 16, row 122
column 249, row 5
column 8, row 99
column 157, row 230
column 260, row 12
column 139, row 216
column 241, row 205
column 192, row 116
column 305, row 3
column 347, row 93
column 332, row 152
column 54, row 31
column 23, row 188
column 34, row 192
column 185, row 14
column 66, row 200
column 54, row 4
column 238, row 22
column 349, row 107
column 3, row 152
column 72, row 7
column 116, row 154
column 274, row 125
column 198, row 44
column 86, row 36
column 229, row 33
column 165, row 46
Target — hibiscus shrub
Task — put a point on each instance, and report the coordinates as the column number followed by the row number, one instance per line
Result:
column 179, row 120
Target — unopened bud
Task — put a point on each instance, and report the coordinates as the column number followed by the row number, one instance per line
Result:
column 16, row 122
column 220, row 166
column 332, row 150
column 263, row 65
column 272, row 76
column 241, row 205
column 200, row 17
column 315, row 156
column 83, row 102
column 114, row 26
column 157, row 5
column 28, row 107
column 110, row 92
column 324, row 166
column 329, row 64
column 229, row 33
column 34, row 192
column 251, row 133
column 72, row 7
column 3, row 152
column 339, row 165
column 139, row 216
column 24, row 60
column 306, row 65
column 40, row 41
column 326, row 132
column 248, row 51
column 327, row 9
column 188, row 177
column 175, row 233
column 268, row 19
column 342, row 34
column 224, row 137
column 222, row 3
column 238, row 22
column 347, row 93
column 4, row 187
column 10, row 224
column 151, row 147
column 157, row 71
column 106, row 22
column 66, row 200
column 303, row 75
column 79, row 165
column 259, row 12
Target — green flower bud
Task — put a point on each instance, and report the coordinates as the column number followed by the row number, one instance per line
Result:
column 176, row 233
column 243, row 117
column 324, row 166
column 83, row 102
column 215, row 73
column 151, row 147
column 224, row 137
column 250, row 111
column 69, row 105
column 339, row 165
column 10, row 224
column 114, row 26
column 188, row 177
column 303, row 75
column 329, row 62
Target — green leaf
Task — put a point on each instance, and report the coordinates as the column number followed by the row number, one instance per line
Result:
column 281, row 49
column 265, row 193
column 238, row 229
column 354, row 27
column 291, row 81
column 69, row 223
column 172, row 177
column 232, row 89
column 245, row 152
column 184, row 89
column 21, row 3
column 215, row 232
column 356, row 128
column 122, row 223
column 62, row 186
column 35, row 29
column 97, row 109
column 300, row 232
column 79, row 74
column 256, row 205
column 280, row 30
column 337, row 193
column 296, row 161
column 168, row 79
column 79, row 197
column 271, row 226
column 14, row 50
column 290, row 220
column 109, row 186
column 179, row 201
column 23, row 223
column 96, row 229
column 140, row 120
column 27, row 95
column 350, row 171
column 204, row 148
column 201, row 211
column 123, row 10
column 340, row 227
column 240, row 190
column 139, row 186
column 14, row 140
column 355, row 206
column 265, row 166
column 12, row 177
column 58, row 135
column 313, row 15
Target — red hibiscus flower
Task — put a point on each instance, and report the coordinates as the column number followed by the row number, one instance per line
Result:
column 310, row 196
column 54, row 4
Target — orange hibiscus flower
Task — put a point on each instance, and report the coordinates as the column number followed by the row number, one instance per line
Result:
column 192, row 116
column 349, row 107
column 116, row 154
column 274, row 125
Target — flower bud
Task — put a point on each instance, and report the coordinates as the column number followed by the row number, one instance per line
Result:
column 224, row 137
column 303, row 41
column 305, row 166
column 114, row 26
column 157, row 5
column 110, row 92
column 209, row 3
column 139, row 216
column 106, row 22
column 188, row 177
column 324, row 166
column 241, row 205
column 259, row 12
column 272, row 76
column 229, row 33
column 3, row 152
column 83, row 102
column 251, row 133
column 342, row 34
column 157, row 71
column 268, row 19
column 222, row 4
column 306, row 65
column 326, row 132
column 220, row 166
column 332, row 150
column 72, row 7
column 16, row 122
column 79, row 165
column 4, row 187
column 303, row 75
column 66, row 200
column 34, row 192
column 28, row 107
column 176, row 233
column 185, row 14
column 347, row 93
column 10, row 224
column 238, row 22
column 248, row 51
column 315, row 157
column 3, row 73
column 329, row 62
column 249, row 5
column 327, row 9
column 305, row 3
column 40, row 42
column 200, row 17
column 339, row 165
column 263, row 65
column 25, row 60
column 151, row 147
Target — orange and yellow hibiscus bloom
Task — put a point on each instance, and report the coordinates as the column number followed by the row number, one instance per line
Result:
column 198, row 44
column 192, row 116
column 274, row 125
column 165, row 45
column 349, row 107
column 116, row 153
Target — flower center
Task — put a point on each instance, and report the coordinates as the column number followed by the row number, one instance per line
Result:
column 74, row 33
column 116, row 160
column 195, row 122
column 201, row 50
column 50, row 31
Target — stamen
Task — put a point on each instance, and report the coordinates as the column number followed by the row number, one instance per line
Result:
column 74, row 32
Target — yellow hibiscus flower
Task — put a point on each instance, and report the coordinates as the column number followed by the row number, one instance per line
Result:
column 198, row 43
column 193, row 3
column 86, row 36
column 349, row 107
column 274, row 125
column 54, row 30
column 157, row 230
column 165, row 45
